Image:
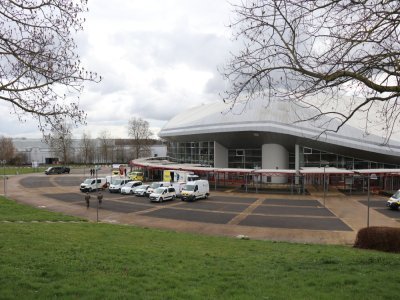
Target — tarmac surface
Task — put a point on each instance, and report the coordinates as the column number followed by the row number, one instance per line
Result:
column 268, row 216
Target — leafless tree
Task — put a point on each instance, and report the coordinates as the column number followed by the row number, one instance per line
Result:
column 7, row 149
column 40, row 72
column 60, row 143
column 139, row 131
column 105, row 147
column 19, row 159
column 340, row 57
column 87, row 148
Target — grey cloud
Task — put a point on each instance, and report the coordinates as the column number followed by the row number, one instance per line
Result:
column 202, row 51
column 111, row 80
column 156, row 105
column 216, row 85
column 159, row 84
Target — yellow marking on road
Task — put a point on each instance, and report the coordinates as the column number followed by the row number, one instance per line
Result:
column 240, row 217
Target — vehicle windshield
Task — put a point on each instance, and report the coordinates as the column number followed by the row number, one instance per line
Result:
column 48, row 169
column 188, row 187
column 155, row 185
column 113, row 179
column 396, row 195
column 159, row 190
column 117, row 181
column 89, row 180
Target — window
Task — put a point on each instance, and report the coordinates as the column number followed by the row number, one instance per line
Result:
column 307, row 150
column 240, row 152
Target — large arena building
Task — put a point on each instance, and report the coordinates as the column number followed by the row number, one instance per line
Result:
column 274, row 140
column 271, row 135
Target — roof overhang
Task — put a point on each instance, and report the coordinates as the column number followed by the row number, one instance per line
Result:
column 164, row 164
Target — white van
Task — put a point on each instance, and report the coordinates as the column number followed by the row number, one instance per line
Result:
column 155, row 185
column 93, row 184
column 178, row 188
column 117, row 184
column 394, row 201
column 161, row 194
column 194, row 190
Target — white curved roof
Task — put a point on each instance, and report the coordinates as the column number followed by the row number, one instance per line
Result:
column 277, row 117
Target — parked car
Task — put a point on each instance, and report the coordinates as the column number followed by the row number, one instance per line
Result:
column 128, row 188
column 93, row 184
column 155, row 185
column 394, row 201
column 116, row 184
column 163, row 193
column 141, row 190
column 136, row 175
column 57, row 170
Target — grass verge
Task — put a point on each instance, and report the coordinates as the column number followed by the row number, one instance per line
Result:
column 103, row 261
column 13, row 212
column 9, row 170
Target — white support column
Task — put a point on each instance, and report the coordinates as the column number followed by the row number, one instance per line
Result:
column 297, row 162
column 275, row 156
column 220, row 156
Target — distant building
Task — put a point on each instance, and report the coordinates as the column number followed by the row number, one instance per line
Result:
column 118, row 150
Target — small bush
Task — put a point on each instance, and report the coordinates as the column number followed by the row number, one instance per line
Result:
column 379, row 238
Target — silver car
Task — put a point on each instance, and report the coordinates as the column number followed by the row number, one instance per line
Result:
column 141, row 190
column 129, row 188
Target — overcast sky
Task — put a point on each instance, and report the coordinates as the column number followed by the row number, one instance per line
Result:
column 157, row 58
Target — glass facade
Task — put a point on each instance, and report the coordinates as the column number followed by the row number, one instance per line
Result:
column 245, row 158
column 203, row 153
column 191, row 152
column 316, row 158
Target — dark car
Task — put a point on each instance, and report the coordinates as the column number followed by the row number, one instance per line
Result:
column 57, row 170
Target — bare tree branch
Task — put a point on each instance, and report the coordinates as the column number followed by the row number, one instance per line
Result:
column 60, row 142
column 40, row 73
column 7, row 149
column 302, row 50
column 139, row 131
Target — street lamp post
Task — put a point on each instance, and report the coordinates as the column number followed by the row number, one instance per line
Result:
column 324, row 185
column 3, row 162
column 370, row 177
column 326, row 164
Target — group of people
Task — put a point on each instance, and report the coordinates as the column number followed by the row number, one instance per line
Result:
column 92, row 172
column 99, row 198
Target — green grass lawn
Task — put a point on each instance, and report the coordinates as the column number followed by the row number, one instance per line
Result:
column 12, row 212
column 10, row 170
column 86, row 260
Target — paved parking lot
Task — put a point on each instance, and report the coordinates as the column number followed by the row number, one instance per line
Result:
column 272, row 216
column 380, row 207
column 275, row 213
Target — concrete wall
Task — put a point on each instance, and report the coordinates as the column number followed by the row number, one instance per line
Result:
column 220, row 156
column 275, row 156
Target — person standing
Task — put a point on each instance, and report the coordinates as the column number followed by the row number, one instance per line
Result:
column 87, row 198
